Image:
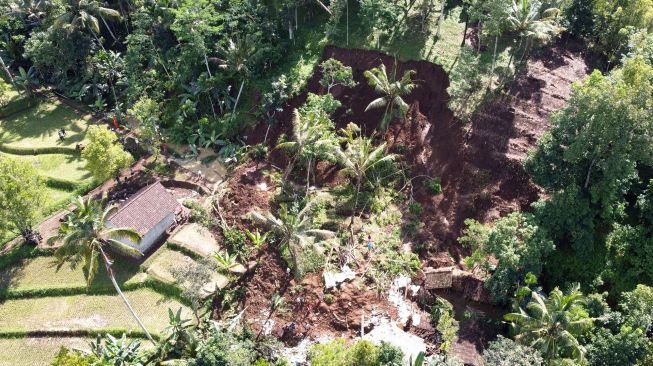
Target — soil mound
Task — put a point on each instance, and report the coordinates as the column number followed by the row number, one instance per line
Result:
column 479, row 164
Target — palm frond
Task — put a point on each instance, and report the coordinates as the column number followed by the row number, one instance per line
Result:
column 377, row 103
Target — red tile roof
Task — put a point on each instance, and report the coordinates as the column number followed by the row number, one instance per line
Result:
column 145, row 209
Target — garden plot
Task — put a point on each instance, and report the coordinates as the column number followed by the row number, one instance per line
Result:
column 88, row 312
column 197, row 239
column 161, row 264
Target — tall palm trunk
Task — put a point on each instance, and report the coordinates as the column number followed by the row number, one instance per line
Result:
column 347, row 6
column 353, row 210
column 6, row 70
column 233, row 112
column 107, row 264
column 109, row 29
column 440, row 19
column 465, row 29
column 289, row 169
column 308, row 176
column 494, row 60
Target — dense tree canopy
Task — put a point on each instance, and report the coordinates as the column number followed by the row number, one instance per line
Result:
column 22, row 193
column 104, row 156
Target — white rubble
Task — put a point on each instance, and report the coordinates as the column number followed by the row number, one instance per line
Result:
column 389, row 332
column 332, row 279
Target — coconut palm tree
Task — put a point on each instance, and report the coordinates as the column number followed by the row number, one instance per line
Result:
column 83, row 15
column 527, row 18
column 293, row 229
column 86, row 237
column 235, row 58
column 392, row 91
column 358, row 158
column 552, row 324
column 313, row 136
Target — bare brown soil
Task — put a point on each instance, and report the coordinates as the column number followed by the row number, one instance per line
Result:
column 480, row 166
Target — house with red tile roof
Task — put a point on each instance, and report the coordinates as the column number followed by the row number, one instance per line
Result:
column 150, row 212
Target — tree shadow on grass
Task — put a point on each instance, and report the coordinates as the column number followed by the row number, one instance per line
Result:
column 43, row 122
column 9, row 277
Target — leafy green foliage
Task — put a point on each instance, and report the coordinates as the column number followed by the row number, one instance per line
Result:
column 104, row 156
column 335, row 73
column 223, row 348
column 67, row 357
column 392, row 91
column 637, row 307
column 443, row 317
column 551, row 324
column 434, row 186
column 363, row 353
column 22, row 195
column 293, row 228
column 199, row 214
column 148, row 114
column 628, row 347
column 517, row 243
column 116, row 351
column 604, row 132
column 613, row 20
column 506, row 352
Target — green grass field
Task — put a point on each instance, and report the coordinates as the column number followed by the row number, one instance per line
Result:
column 9, row 92
column 88, row 312
column 39, row 351
column 38, row 126
column 41, row 274
column 62, row 166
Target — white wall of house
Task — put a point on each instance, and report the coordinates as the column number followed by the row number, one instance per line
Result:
column 153, row 235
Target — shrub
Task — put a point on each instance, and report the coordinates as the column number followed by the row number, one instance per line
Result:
column 15, row 150
column 259, row 151
column 390, row 355
column 67, row 357
column 446, row 325
column 628, row 347
column 328, row 354
column 199, row 214
column 223, row 348
column 236, row 242
column 59, row 183
column 415, row 209
column 434, row 186
column 506, row 352
column 361, row 353
column 103, row 155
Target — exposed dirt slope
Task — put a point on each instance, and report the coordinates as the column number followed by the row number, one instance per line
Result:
column 480, row 165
